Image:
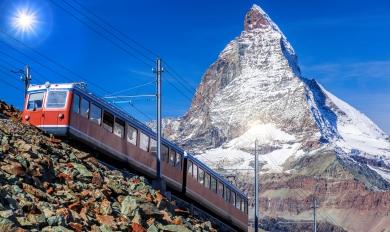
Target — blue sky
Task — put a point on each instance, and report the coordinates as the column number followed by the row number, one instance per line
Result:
column 342, row 44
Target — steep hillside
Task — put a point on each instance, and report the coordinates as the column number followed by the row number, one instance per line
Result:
column 48, row 185
column 306, row 136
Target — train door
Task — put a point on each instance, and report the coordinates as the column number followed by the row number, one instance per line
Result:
column 34, row 108
column 56, row 114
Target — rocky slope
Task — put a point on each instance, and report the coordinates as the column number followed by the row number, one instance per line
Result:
column 48, row 185
column 306, row 135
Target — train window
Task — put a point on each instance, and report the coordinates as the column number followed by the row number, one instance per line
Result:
column 220, row 189
column 35, row 101
column 207, row 180
column 96, row 114
column 143, row 141
column 56, row 99
column 172, row 157
column 189, row 164
column 195, row 171
column 200, row 176
column 108, row 121
column 165, row 153
column 233, row 198
column 76, row 103
column 227, row 194
column 119, row 128
column 238, row 201
column 178, row 161
column 84, row 107
column 213, row 184
column 131, row 135
column 153, row 146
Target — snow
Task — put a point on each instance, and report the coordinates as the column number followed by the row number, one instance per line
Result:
column 384, row 173
column 263, row 133
column 232, row 158
column 255, row 91
column 358, row 132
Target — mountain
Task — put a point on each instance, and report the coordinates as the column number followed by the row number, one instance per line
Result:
column 255, row 91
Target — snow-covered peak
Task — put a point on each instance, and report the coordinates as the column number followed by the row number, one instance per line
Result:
column 254, row 90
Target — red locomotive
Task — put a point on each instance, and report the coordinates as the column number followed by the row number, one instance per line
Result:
column 70, row 110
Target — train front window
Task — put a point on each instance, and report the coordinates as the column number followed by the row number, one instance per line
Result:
column 35, row 101
column 96, row 114
column 56, row 99
column 131, row 135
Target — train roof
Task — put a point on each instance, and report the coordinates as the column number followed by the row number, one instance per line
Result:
column 81, row 87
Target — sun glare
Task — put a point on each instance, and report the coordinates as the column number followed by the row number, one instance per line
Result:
column 25, row 21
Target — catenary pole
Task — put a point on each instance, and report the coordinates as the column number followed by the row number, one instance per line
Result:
column 256, row 189
column 159, row 70
column 314, row 215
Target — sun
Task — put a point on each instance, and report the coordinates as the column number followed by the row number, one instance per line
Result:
column 24, row 20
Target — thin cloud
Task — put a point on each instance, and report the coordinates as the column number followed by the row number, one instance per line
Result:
column 344, row 21
column 378, row 70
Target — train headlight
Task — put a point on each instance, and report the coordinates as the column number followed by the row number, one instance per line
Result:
column 61, row 116
column 26, row 117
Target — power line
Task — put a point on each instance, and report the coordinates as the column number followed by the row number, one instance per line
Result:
column 8, row 83
column 116, row 30
column 173, row 72
column 21, row 62
column 100, row 33
column 89, row 19
column 179, row 79
column 51, row 60
column 131, row 88
column 107, row 31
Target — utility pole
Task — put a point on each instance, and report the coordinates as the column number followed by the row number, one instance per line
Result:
column 256, row 189
column 314, row 207
column 25, row 77
column 314, row 214
column 158, row 72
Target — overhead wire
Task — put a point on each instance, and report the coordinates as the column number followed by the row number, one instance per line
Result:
column 173, row 72
column 52, row 61
column 131, row 88
column 115, row 29
column 40, row 75
column 8, row 83
column 99, row 33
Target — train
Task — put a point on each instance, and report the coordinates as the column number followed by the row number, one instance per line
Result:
column 71, row 110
